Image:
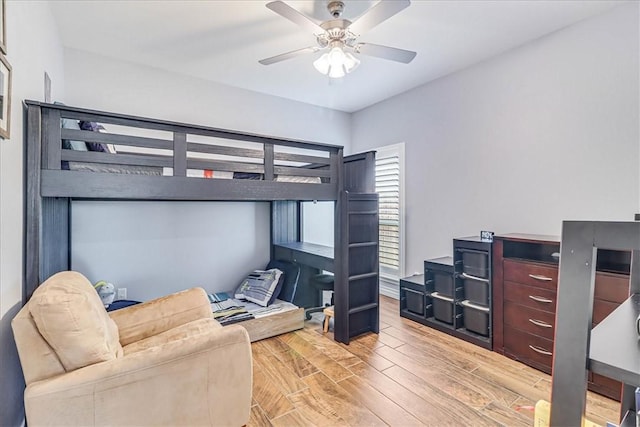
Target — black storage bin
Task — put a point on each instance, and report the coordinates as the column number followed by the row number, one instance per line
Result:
column 476, row 291
column 414, row 301
column 475, row 263
column 476, row 318
column 442, row 308
column 443, row 283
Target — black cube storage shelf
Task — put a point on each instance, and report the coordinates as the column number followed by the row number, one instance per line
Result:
column 454, row 294
column 473, row 273
column 442, row 291
column 412, row 298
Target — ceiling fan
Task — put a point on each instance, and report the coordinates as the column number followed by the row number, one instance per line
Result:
column 340, row 35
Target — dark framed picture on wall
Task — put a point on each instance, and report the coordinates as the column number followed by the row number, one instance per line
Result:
column 5, row 97
column 3, row 28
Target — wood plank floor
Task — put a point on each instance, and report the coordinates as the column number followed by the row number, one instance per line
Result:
column 408, row 374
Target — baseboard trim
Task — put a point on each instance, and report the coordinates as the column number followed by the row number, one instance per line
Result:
column 389, row 288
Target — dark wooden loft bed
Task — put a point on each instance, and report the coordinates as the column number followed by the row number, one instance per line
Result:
column 50, row 188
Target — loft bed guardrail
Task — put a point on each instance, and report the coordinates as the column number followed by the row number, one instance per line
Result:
column 147, row 159
column 142, row 158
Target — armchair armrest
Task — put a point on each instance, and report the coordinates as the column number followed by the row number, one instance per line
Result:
column 203, row 379
column 161, row 314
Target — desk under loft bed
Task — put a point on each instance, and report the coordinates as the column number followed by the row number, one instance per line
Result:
column 612, row 348
column 159, row 160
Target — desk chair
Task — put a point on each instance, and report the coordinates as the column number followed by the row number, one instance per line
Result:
column 320, row 282
column 291, row 272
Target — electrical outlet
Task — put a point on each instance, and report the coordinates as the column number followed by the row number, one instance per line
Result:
column 122, row 293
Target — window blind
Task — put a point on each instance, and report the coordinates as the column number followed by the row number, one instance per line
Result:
column 388, row 189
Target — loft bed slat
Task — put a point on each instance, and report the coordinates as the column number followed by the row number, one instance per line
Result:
column 113, row 138
column 218, row 165
column 120, row 159
column 284, row 170
column 179, row 154
column 113, row 186
column 195, row 147
column 268, row 162
column 302, row 158
column 336, row 169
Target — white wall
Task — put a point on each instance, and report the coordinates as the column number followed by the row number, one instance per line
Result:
column 317, row 224
column 33, row 47
column 224, row 241
column 155, row 248
column 102, row 83
column 546, row 132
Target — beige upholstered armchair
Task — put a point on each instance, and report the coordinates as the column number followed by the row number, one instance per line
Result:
column 164, row 362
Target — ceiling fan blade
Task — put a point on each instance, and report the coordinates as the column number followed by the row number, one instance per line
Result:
column 286, row 11
column 380, row 12
column 288, row 55
column 386, row 52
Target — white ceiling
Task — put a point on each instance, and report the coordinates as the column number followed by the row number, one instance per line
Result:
column 222, row 41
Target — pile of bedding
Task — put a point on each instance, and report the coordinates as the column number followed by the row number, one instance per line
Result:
column 255, row 297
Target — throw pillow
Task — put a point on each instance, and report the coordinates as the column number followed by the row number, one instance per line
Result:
column 259, row 286
column 94, row 127
column 71, row 318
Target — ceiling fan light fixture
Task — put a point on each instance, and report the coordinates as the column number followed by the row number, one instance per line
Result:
column 336, row 63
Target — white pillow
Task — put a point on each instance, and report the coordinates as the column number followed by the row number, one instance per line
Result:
column 259, row 286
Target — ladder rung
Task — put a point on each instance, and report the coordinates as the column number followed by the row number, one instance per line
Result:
column 363, row 307
column 362, row 276
column 362, row 244
column 363, row 213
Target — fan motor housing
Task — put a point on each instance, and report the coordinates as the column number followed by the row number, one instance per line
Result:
column 336, row 8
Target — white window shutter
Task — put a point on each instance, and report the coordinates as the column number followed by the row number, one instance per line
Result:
column 388, row 182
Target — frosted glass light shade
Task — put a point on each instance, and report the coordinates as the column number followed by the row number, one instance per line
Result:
column 336, row 63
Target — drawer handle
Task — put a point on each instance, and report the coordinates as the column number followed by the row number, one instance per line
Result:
column 480, row 279
column 540, row 299
column 441, row 297
column 540, row 350
column 466, row 303
column 540, row 323
column 541, row 278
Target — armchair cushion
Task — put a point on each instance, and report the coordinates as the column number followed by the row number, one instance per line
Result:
column 150, row 318
column 188, row 330
column 72, row 319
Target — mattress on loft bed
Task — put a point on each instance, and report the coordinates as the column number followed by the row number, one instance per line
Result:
column 277, row 318
column 113, row 168
column 192, row 173
column 207, row 173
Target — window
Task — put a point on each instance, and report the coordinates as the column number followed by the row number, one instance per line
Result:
column 389, row 186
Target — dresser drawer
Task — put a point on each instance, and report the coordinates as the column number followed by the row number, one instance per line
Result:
column 611, row 287
column 529, row 349
column 527, row 319
column 602, row 309
column 530, row 273
column 606, row 386
column 530, row 296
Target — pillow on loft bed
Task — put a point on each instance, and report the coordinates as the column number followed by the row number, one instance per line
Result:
column 94, row 127
column 260, row 287
column 71, row 144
